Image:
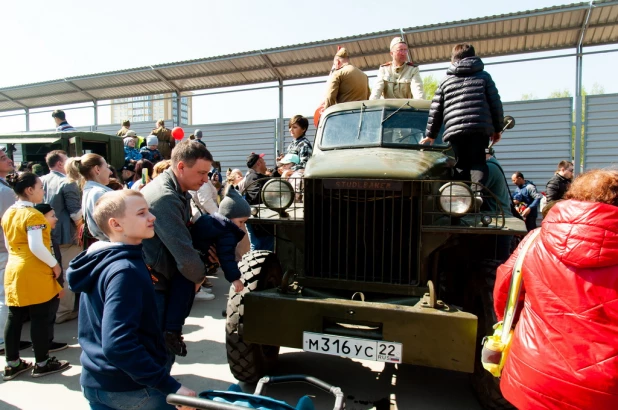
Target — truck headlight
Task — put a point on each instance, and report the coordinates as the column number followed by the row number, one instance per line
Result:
column 456, row 198
column 277, row 194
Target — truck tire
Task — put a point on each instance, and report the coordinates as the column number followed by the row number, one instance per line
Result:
column 249, row 361
column 486, row 387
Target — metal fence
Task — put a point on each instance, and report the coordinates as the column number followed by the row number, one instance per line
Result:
column 601, row 127
column 231, row 143
column 540, row 140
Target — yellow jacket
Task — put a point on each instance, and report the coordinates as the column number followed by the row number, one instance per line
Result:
column 27, row 279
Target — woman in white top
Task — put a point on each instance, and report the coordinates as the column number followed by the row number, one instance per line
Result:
column 93, row 173
column 204, row 200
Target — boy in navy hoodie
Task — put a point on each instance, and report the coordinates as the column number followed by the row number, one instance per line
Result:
column 123, row 351
column 224, row 230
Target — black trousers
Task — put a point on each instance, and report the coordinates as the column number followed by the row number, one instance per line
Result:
column 53, row 309
column 531, row 222
column 39, row 330
column 469, row 152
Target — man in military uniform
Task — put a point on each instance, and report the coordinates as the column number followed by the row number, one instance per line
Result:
column 346, row 83
column 398, row 78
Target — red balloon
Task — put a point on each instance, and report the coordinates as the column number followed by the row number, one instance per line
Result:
column 178, row 133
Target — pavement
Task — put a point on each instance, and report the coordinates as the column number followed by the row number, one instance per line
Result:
column 367, row 385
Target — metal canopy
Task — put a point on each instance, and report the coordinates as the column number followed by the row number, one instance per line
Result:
column 547, row 29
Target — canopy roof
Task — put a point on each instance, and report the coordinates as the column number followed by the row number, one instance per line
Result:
column 553, row 28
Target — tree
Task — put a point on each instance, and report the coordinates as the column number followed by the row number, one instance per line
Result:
column 430, row 85
column 528, row 97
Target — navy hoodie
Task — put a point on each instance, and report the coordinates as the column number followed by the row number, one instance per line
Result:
column 217, row 230
column 119, row 331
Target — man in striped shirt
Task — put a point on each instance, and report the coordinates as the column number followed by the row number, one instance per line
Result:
column 61, row 121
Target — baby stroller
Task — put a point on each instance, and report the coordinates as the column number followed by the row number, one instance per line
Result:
column 235, row 399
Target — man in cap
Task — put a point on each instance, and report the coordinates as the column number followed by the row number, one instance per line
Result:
column 260, row 236
column 346, row 83
column 198, row 137
column 398, row 78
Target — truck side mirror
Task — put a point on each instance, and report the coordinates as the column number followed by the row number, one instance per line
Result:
column 508, row 123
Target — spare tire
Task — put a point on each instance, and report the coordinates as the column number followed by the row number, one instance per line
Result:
column 250, row 361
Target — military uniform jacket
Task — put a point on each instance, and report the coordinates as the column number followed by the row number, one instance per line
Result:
column 398, row 82
column 345, row 85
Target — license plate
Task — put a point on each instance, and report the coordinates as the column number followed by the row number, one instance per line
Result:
column 377, row 350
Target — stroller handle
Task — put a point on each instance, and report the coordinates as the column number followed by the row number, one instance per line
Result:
column 335, row 391
column 197, row 403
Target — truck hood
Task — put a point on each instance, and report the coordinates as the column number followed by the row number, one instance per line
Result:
column 378, row 163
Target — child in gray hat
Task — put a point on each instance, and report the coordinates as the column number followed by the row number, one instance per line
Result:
column 150, row 151
column 224, row 230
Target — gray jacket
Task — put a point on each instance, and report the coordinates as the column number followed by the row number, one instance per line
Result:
column 7, row 198
column 171, row 249
column 64, row 197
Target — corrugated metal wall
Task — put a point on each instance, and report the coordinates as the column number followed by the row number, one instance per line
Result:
column 601, row 146
column 540, row 140
column 231, row 143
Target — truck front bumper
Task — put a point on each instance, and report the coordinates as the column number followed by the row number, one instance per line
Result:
column 443, row 338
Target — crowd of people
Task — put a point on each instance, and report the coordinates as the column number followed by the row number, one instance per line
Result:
column 128, row 253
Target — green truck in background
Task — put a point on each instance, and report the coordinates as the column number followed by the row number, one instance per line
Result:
column 380, row 253
column 33, row 146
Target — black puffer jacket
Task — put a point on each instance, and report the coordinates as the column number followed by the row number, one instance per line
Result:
column 467, row 101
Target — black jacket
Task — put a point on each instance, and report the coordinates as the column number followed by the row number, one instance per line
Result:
column 556, row 187
column 252, row 188
column 467, row 101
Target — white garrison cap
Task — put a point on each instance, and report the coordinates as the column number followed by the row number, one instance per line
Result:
column 396, row 41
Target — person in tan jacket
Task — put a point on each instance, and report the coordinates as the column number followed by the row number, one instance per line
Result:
column 346, row 83
column 126, row 126
column 398, row 78
column 166, row 141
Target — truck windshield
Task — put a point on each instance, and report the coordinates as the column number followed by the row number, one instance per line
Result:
column 374, row 128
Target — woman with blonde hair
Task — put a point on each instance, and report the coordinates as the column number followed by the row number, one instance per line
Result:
column 93, row 173
column 160, row 167
column 564, row 352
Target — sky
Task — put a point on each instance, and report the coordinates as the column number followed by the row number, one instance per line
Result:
column 45, row 41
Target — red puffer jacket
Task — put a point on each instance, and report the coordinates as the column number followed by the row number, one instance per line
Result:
column 565, row 348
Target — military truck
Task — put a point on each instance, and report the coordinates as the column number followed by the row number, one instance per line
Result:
column 381, row 254
column 33, row 146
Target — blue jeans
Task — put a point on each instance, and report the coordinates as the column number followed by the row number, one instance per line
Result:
column 144, row 399
column 161, row 299
column 260, row 242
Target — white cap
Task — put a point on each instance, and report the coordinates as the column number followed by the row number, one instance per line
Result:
column 396, row 41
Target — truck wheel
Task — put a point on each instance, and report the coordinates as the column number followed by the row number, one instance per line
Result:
column 486, row 387
column 249, row 361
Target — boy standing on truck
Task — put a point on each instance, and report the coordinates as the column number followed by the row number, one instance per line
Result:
column 467, row 101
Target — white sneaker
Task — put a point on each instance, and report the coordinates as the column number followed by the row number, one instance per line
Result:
column 204, row 296
column 207, row 290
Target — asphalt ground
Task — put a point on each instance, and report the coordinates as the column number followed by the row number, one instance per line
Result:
column 366, row 385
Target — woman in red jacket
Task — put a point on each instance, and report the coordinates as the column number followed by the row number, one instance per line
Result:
column 564, row 353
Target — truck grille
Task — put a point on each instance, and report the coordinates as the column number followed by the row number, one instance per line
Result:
column 362, row 230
